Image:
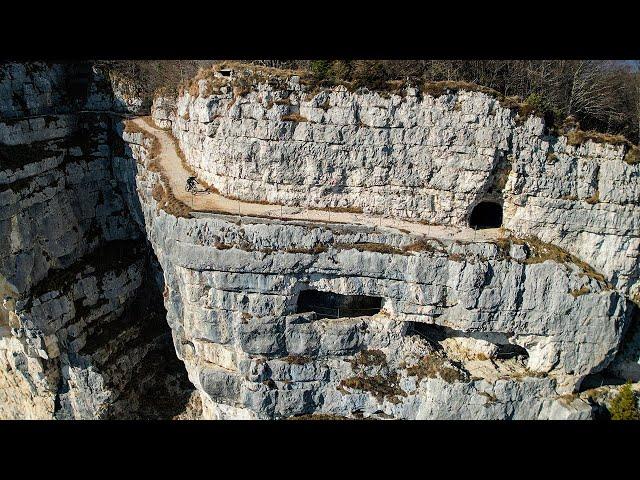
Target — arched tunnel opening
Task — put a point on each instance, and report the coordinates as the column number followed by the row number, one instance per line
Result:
column 486, row 214
column 335, row 305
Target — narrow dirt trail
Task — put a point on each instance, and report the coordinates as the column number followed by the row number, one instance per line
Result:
column 171, row 164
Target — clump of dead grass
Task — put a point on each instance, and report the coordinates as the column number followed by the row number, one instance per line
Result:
column 373, row 376
column 297, row 359
column 593, row 199
column 371, row 247
column 578, row 137
column 167, row 201
column 381, row 387
column 313, row 250
column 437, row 89
column 131, row 127
column 632, row 157
column 425, row 245
column 318, row 416
column 434, row 366
column 293, row 117
column 581, row 291
column 343, row 209
column 540, row 252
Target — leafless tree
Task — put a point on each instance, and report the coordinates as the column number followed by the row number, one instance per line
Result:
column 591, row 93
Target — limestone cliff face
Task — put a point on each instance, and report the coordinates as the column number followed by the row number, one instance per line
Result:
column 274, row 319
column 234, row 288
column 418, row 157
column 232, row 298
column 465, row 330
column 78, row 325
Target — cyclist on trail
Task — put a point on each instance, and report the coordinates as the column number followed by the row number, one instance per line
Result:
column 191, row 184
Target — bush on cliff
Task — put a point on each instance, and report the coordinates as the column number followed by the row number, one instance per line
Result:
column 624, row 406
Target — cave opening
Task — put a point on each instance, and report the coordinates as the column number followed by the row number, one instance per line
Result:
column 336, row 305
column 435, row 334
column 486, row 214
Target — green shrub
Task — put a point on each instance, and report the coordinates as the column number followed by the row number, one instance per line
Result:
column 320, row 69
column 536, row 102
column 624, row 405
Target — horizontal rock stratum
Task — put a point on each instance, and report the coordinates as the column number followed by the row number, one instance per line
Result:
column 361, row 314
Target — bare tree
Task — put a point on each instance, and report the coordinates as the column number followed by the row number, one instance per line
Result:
column 591, row 93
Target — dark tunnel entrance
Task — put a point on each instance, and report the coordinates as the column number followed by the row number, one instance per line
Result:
column 335, row 305
column 486, row 215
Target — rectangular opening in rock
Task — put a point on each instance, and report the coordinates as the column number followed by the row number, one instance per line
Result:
column 494, row 345
column 335, row 305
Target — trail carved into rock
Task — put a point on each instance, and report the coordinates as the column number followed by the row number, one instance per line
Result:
column 171, row 164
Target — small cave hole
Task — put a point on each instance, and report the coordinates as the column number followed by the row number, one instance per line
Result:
column 486, row 215
column 335, row 305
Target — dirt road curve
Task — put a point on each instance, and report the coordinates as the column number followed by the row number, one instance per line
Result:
column 171, row 164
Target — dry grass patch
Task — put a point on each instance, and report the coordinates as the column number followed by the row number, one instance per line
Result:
column 380, row 386
column 297, row 359
column 456, row 257
column 490, row 397
column 130, row 127
column 437, row 89
column 540, row 252
column 343, row 209
column 154, row 148
column 370, row 247
column 167, row 201
column 314, row 250
column 578, row 137
column 212, row 86
column 293, row 117
column 581, row 291
column 373, row 376
column 318, row 416
column 368, row 358
column 552, row 158
column 593, row 199
column 425, row 245
column 434, row 366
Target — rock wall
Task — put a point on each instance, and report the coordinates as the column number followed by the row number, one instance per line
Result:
column 417, row 157
column 78, row 323
column 93, row 270
column 466, row 330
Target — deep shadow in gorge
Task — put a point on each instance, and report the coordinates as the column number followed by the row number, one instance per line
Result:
column 159, row 388
column 132, row 353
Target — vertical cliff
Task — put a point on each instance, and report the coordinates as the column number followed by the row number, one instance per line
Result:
column 115, row 289
column 565, row 206
column 415, row 156
column 82, row 326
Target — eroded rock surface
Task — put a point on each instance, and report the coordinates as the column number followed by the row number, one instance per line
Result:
column 277, row 319
column 415, row 156
column 81, row 318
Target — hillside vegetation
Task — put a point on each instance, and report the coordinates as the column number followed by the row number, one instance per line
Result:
column 586, row 95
